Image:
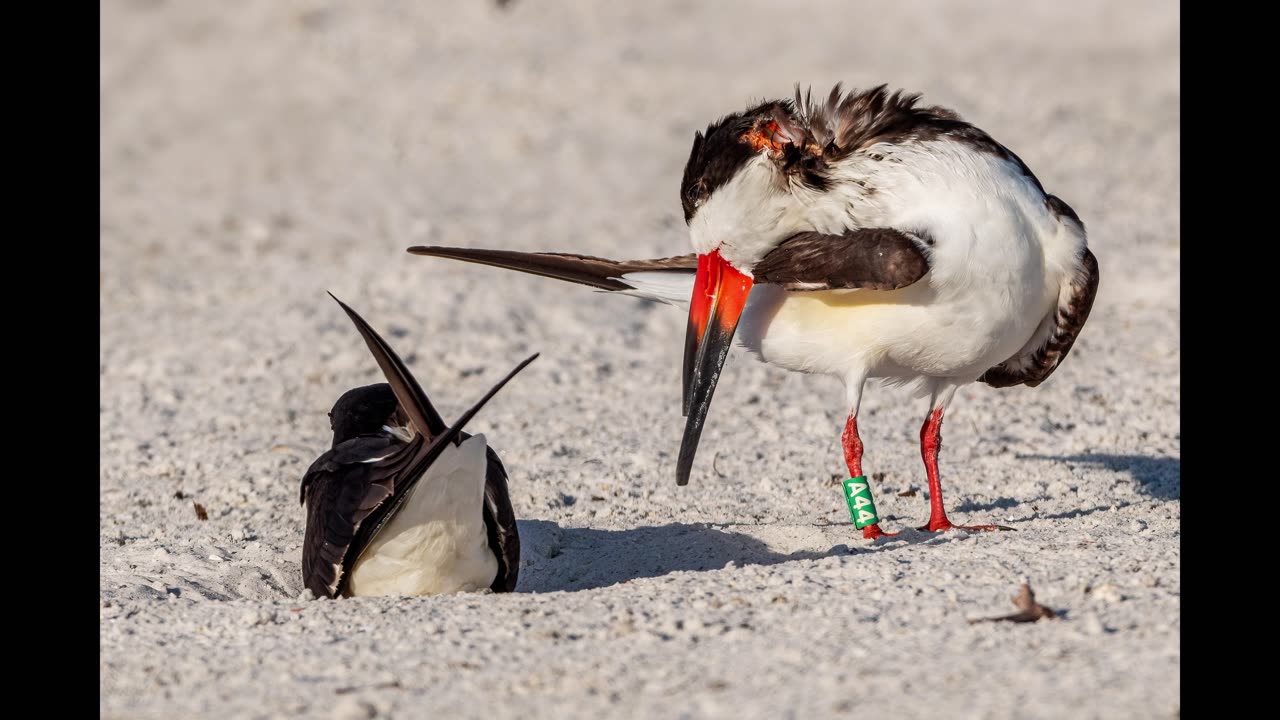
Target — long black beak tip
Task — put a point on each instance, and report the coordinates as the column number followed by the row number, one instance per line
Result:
column 710, row 358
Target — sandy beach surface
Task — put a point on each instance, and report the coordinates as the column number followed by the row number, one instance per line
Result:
column 257, row 154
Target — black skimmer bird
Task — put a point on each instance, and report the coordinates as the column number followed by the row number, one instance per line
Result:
column 403, row 504
column 861, row 236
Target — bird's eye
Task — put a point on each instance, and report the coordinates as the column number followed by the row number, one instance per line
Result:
column 693, row 194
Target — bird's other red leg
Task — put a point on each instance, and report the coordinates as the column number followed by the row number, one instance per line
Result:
column 930, row 444
column 853, row 458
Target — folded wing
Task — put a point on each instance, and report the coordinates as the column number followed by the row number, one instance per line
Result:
column 872, row 258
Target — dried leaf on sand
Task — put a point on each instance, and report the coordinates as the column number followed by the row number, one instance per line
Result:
column 1028, row 609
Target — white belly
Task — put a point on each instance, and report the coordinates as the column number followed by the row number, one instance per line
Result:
column 437, row 543
column 905, row 333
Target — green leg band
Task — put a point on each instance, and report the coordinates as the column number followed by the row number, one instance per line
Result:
column 862, row 509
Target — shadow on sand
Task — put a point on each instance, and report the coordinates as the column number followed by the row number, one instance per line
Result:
column 970, row 506
column 557, row 558
column 1157, row 476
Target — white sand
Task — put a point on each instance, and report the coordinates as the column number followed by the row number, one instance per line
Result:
column 255, row 155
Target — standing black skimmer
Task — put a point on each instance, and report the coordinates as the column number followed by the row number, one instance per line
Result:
column 860, row 237
column 403, row 504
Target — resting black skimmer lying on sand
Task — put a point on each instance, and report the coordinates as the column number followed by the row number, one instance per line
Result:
column 863, row 236
column 403, row 504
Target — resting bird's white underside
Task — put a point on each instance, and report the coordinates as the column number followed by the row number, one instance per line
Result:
column 437, row 542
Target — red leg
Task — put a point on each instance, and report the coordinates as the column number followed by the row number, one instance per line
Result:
column 853, row 458
column 852, row 447
column 930, row 444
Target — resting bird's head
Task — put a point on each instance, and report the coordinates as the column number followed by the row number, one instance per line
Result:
column 363, row 411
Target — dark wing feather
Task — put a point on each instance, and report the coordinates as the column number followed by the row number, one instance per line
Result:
column 582, row 269
column 1068, row 319
column 343, row 491
column 500, row 521
column 408, row 393
column 872, row 258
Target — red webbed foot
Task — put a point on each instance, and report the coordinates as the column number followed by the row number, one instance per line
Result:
column 945, row 525
column 871, row 532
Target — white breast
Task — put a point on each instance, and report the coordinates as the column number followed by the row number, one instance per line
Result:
column 437, row 543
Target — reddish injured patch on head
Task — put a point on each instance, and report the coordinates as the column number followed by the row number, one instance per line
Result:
column 768, row 137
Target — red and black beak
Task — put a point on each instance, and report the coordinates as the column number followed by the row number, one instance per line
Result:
column 719, row 293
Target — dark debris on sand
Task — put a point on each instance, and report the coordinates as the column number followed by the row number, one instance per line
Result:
column 1028, row 609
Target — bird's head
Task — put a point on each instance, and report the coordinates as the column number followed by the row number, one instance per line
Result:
column 753, row 179
column 363, row 411
column 757, row 177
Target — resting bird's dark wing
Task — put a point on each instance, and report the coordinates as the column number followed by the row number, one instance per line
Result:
column 500, row 521
column 345, row 490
